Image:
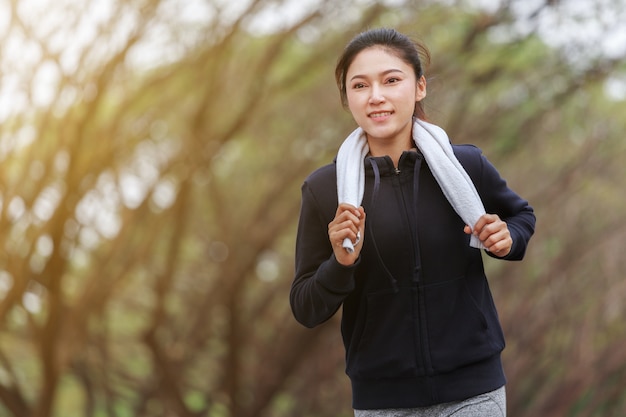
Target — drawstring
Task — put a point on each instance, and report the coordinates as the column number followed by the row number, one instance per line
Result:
column 376, row 180
column 394, row 282
column 416, row 182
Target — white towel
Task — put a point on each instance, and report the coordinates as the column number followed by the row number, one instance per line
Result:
column 435, row 145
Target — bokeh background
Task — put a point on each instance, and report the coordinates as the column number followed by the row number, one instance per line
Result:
column 151, row 157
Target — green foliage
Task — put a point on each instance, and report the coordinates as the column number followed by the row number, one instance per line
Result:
column 147, row 224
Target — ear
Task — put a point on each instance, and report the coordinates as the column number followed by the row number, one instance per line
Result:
column 420, row 89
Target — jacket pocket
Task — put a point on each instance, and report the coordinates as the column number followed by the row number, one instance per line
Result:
column 387, row 345
column 462, row 323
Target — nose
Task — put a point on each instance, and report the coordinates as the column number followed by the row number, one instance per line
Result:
column 376, row 95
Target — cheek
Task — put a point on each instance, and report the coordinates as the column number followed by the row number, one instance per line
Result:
column 353, row 104
column 351, row 99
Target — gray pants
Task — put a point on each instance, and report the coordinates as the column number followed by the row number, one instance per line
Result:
column 491, row 404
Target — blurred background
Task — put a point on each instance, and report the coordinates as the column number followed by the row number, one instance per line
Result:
column 151, row 158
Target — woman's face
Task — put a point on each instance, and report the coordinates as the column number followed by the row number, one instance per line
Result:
column 382, row 90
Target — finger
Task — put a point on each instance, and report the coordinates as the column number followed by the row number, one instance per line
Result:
column 501, row 248
column 489, row 231
column 338, row 229
column 348, row 222
column 487, row 225
column 498, row 241
column 351, row 227
column 345, row 207
column 349, row 215
column 336, row 238
column 478, row 226
column 496, row 231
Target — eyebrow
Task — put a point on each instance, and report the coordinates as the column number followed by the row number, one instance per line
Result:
column 382, row 73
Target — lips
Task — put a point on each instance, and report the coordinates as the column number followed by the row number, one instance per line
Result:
column 379, row 114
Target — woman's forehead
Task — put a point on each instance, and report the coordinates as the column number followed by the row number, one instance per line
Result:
column 376, row 61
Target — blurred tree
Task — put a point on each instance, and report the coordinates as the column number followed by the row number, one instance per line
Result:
column 151, row 156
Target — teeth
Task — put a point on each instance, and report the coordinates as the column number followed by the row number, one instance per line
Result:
column 375, row 115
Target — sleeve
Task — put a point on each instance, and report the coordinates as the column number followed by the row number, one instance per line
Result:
column 321, row 283
column 499, row 199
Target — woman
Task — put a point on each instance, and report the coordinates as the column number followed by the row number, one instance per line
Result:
column 393, row 231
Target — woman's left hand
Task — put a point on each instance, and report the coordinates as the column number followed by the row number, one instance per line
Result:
column 493, row 233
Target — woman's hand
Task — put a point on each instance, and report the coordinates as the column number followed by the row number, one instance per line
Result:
column 349, row 222
column 493, row 233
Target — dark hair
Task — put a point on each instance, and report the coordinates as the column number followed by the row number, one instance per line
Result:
column 403, row 47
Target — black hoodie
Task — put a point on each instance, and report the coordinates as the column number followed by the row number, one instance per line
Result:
column 419, row 324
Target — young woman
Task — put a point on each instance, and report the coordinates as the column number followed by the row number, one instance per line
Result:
column 393, row 231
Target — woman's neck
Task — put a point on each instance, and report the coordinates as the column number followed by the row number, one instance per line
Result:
column 392, row 148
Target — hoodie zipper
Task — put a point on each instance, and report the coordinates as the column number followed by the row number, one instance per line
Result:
column 422, row 343
column 421, row 299
column 422, row 356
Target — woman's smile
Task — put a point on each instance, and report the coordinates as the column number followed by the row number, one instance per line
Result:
column 380, row 115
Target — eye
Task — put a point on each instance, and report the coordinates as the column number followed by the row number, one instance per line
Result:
column 393, row 80
column 358, row 86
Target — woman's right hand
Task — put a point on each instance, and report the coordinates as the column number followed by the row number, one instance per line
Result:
column 349, row 222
